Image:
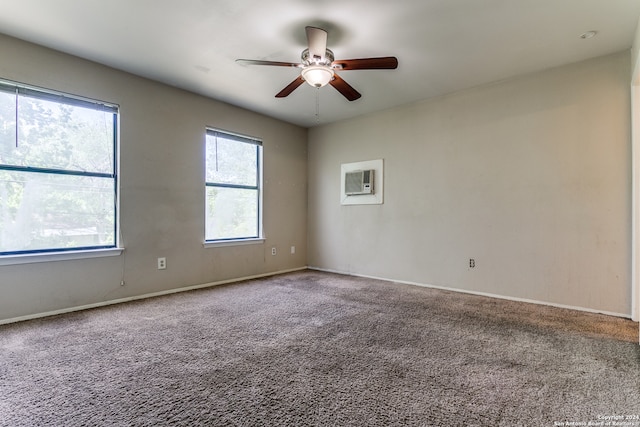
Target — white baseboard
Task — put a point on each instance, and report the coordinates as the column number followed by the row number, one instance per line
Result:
column 484, row 294
column 258, row 276
column 144, row 296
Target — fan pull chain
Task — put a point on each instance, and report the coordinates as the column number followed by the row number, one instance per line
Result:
column 318, row 105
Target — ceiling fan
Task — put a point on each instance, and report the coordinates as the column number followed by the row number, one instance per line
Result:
column 319, row 67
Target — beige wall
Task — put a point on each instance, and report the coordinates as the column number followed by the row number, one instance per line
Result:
column 162, row 189
column 531, row 177
column 635, row 57
column 635, row 126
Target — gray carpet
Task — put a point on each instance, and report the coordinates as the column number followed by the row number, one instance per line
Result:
column 312, row 348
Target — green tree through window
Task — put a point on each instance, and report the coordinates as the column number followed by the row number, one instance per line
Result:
column 232, row 186
column 57, row 171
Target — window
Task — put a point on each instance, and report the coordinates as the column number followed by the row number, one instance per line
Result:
column 57, row 172
column 233, row 178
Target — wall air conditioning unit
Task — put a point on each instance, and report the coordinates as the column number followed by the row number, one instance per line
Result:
column 358, row 182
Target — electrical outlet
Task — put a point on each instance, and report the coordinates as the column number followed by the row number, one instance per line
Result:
column 273, row 250
column 472, row 263
column 122, row 283
column 162, row 263
column 293, row 250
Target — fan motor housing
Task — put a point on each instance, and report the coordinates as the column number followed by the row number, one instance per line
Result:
column 307, row 59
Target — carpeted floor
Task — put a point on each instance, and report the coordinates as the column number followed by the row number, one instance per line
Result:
column 319, row 349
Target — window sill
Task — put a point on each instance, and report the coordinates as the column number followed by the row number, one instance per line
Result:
column 58, row 256
column 239, row 242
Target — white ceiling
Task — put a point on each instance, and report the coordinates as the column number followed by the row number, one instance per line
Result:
column 442, row 45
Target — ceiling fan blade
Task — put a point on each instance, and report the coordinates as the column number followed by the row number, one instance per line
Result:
column 344, row 88
column 276, row 63
column 290, row 87
column 317, row 40
column 383, row 63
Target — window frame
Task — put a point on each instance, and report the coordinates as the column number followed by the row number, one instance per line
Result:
column 75, row 252
column 257, row 142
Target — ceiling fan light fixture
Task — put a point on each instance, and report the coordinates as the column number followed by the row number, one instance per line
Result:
column 317, row 75
column 318, row 67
